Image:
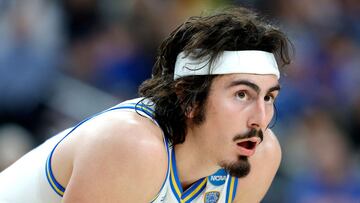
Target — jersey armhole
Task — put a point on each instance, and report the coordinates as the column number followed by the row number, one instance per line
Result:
column 136, row 106
column 166, row 143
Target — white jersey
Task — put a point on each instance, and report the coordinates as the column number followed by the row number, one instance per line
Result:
column 217, row 188
column 30, row 179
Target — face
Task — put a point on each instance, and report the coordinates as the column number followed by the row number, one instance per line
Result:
column 239, row 108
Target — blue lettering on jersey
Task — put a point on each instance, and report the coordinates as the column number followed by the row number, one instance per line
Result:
column 211, row 197
column 218, row 178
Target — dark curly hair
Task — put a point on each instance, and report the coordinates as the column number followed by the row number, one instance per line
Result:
column 228, row 29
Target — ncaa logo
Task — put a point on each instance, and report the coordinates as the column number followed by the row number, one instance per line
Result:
column 212, row 197
column 218, row 178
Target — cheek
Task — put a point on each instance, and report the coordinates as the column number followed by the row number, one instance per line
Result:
column 270, row 113
column 270, row 119
column 224, row 114
column 221, row 114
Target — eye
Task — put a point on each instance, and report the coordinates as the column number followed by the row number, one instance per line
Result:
column 269, row 98
column 242, row 95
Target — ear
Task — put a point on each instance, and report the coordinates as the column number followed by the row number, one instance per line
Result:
column 190, row 112
column 190, row 109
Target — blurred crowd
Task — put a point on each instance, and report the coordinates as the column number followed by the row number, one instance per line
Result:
column 61, row 61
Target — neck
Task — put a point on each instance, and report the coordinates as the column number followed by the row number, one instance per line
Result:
column 192, row 162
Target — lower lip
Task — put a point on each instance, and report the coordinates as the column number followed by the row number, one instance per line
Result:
column 245, row 152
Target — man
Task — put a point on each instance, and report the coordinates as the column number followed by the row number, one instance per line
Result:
column 198, row 134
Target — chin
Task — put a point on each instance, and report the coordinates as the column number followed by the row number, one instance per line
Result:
column 239, row 168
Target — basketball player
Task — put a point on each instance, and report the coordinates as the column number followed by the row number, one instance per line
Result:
column 199, row 132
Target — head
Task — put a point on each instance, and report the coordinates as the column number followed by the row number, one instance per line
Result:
column 185, row 103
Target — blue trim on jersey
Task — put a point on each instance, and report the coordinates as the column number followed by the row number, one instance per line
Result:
column 136, row 108
column 55, row 185
column 174, row 169
column 235, row 188
column 197, row 193
column 146, row 109
column 168, row 168
column 49, row 176
column 174, row 178
column 174, row 191
column 190, row 189
column 51, row 179
column 227, row 190
column 231, row 189
column 192, row 192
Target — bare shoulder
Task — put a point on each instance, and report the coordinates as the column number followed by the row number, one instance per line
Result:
column 118, row 157
column 264, row 165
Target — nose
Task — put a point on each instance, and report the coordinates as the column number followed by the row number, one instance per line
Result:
column 258, row 116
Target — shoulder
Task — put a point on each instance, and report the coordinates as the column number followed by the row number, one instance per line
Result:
column 269, row 148
column 118, row 152
column 126, row 133
column 264, row 165
column 121, row 129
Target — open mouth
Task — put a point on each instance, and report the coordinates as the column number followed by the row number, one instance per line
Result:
column 247, row 145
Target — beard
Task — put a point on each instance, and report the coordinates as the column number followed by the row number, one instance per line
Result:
column 239, row 168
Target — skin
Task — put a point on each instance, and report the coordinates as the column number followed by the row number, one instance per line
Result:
column 111, row 152
column 236, row 104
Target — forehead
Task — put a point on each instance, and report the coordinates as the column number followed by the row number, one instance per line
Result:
column 264, row 82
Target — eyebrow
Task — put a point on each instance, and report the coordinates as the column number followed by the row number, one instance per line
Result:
column 253, row 86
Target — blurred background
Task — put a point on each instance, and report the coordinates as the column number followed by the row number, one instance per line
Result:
column 63, row 60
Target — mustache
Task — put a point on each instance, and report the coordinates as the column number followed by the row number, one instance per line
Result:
column 252, row 133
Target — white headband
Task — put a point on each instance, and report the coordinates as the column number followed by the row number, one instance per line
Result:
column 250, row 61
